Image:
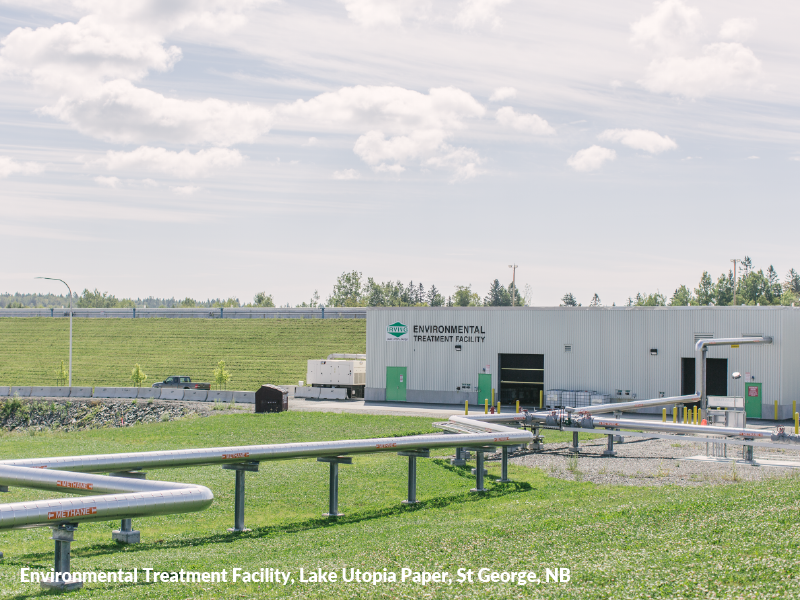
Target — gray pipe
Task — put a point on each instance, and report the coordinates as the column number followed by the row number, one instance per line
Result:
column 623, row 406
column 125, row 498
column 702, row 347
column 347, row 356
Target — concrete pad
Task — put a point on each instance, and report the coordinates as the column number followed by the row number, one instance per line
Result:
column 759, row 462
column 245, row 397
column 149, row 393
column 195, row 395
column 219, row 396
column 172, row 394
column 306, row 392
column 332, row 394
column 80, row 392
column 49, row 392
column 127, row 392
column 21, row 391
column 104, row 392
column 4, row 390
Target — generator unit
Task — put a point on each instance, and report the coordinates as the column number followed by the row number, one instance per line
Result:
column 344, row 371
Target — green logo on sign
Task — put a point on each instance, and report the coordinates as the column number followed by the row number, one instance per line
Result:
column 397, row 329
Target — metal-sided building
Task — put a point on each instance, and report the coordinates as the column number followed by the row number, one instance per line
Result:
column 449, row 355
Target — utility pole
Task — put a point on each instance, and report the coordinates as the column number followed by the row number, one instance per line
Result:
column 734, row 261
column 70, row 323
column 513, row 284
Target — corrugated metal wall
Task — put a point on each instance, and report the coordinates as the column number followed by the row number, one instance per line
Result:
column 610, row 347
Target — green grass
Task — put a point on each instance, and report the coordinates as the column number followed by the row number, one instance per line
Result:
column 256, row 351
column 737, row 540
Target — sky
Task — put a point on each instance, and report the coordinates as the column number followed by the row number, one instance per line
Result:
column 217, row 148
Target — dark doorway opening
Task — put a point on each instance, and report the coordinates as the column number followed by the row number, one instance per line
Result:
column 716, row 377
column 521, row 378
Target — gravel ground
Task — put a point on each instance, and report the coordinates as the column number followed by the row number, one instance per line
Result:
column 651, row 462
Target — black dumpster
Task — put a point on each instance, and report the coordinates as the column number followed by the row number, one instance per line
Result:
column 271, row 398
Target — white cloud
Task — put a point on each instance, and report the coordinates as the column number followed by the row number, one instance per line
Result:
column 71, row 56
column 120, row 112
column 184, row 190
column 347, row 174
column 384, row 168
column 737, row 29
column 533, row 124
column 474, row 12
column 753, row 157
column 8, row 166
column 503, row 93
column 402, row 125
column 182, row 164
column 369, row 13
column 682, row 66
column 111, row 182
column 463, row 161
column 723, row 67
column 312, row 141
column 591, row 159
column 639, row 139
column 669, row 27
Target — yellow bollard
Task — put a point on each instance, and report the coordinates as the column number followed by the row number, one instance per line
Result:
column 674, row 414
column 466, row 407
column 663, row 415
column 517, row 405
column 796, row 423
column 776, row 410
column 499, row 407
column 541, row 395
column 486, row 406
column 794, row 406
column 493, row 404
column 695, row 416
column 684, row 415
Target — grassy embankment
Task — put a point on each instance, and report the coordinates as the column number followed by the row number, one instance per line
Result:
column 731, row 541
column 256, row 351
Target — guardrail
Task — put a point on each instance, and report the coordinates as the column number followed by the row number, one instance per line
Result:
column 189, row 313
column 146, row 393
column 107, row 497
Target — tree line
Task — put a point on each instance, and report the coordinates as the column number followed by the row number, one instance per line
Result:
column 750, row 288
column 352, row 289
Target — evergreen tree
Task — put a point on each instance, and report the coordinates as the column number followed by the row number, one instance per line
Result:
column 682, row 297
column 568, row 300
column 421, row 294
column 434, row 297
column 705, row 293
column 792, row 283
column 497, row 296
column 595, row 301
column 774, row 287
column 657, row 299
column 723, row 290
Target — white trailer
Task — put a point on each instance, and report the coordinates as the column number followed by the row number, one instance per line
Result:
column 346, row 372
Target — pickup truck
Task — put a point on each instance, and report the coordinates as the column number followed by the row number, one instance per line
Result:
column 186, row 383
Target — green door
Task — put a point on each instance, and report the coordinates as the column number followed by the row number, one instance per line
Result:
column 396, row 381
column 484, row 388
column 752, row 399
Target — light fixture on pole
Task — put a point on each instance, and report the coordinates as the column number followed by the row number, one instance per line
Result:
column 734, row 261
column 70, row 322
column 513, row 284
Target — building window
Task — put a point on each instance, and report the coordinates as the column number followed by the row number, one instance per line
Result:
column 567, row 347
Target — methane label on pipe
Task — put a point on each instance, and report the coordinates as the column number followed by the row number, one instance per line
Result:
column 71, row 513
column 79, row 485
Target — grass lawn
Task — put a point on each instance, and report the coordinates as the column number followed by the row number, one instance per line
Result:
column 256, row 351
column 731, row 541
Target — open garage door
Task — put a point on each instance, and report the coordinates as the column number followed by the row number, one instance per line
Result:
column 521, row 378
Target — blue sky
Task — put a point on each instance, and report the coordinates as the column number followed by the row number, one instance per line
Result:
column 219, row 148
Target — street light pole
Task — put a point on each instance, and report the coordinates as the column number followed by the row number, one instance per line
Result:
column 513, row 284
column 734, row 261
column 70, row 323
